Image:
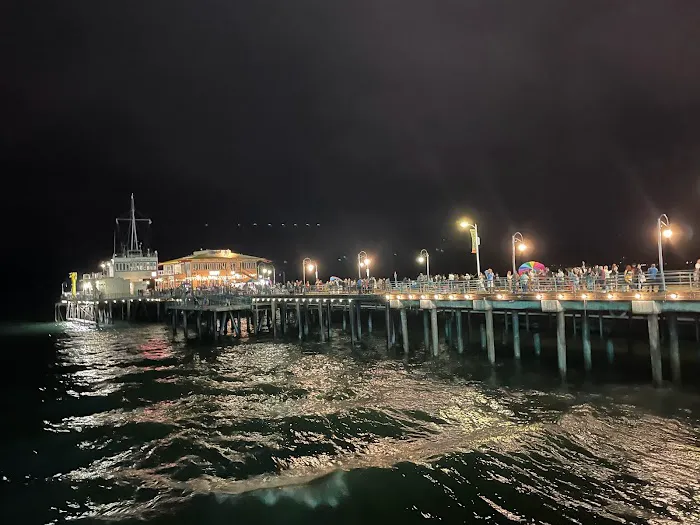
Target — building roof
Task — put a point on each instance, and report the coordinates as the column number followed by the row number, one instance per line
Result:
column 216, row 256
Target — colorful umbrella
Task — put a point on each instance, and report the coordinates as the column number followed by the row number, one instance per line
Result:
column 529, row 266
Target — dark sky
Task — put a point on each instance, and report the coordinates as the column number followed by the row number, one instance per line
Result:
column 574, row 122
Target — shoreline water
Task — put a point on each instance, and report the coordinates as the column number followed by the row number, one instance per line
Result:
column 126, row 424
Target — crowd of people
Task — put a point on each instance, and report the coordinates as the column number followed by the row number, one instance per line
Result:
column 603, row 278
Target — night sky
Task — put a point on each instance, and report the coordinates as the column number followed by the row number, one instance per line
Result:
column 577, row 123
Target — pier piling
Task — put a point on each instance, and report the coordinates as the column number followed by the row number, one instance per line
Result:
column 655, row 349
column 516, row 335
column 320, row 323
column 672, row 319
column 426, row 330
column 490, row 343
column 460, row 338
column 561, row 344
column 434, row 330
column 404, row 329
column 586, row 334
column 387, row 322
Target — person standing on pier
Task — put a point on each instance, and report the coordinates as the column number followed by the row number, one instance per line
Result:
column 653, row 272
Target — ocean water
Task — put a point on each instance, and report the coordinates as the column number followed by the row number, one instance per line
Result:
column 125, row 424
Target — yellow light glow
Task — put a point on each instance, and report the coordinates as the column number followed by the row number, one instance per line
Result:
column 421, row 259
column 667, row 233
column 522, row 247
column 637, row 296
column 310, row 267
column 399, row 297
column 560, row 296
column 467, row 297
column 451, row 297
column 499, row 296
column 422, row 296
column 674, row 296
column 584, row 296
column 367, row 262
column 388, row 297
column 464, row 224
column 410, row 297
column 538, row 297
column 610, row 296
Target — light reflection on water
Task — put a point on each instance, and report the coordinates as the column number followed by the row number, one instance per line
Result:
column 126, row 424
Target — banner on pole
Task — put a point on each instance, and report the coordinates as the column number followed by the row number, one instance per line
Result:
column 474, row 240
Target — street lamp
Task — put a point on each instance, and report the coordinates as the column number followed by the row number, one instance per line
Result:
column 663, row 230
column 517, row 239
column 424, row 257
column 465, row 225
column 362, row 262
column 266, row 271
column 308, row 264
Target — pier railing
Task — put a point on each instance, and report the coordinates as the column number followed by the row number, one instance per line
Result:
column 677, row 282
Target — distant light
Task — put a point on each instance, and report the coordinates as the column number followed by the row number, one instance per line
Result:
column 399, row 297
column 464, row 224
column 467, row 296
column 451, row 297
column 584, row 296
column 560, row 296
column 522, row 247
column 388, row 297
column 538, row 297
column 367, row 262
column 422, row 297
column 499, row 296
column 310, row 267
column 410, row 297
column 421, row 259
column 637, row 295
column 610, row 296
column 668, row 232
column 674, row 296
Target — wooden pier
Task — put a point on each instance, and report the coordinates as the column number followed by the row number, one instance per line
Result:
column 312, row 316
column 107, row 311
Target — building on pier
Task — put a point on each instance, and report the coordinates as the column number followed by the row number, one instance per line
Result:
column 131, row 270
column 205, row 268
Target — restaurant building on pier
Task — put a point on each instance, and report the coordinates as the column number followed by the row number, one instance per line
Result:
column 205, row 268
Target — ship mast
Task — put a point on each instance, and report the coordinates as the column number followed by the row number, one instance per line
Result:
column 133, row 248
column 133, row 235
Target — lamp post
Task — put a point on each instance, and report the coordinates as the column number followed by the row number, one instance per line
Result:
column 663, row 230
column 266, row 271
column 466, row 225
column 362, row 262
column 424, row 257
column 517, row 239
column 308, row 264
